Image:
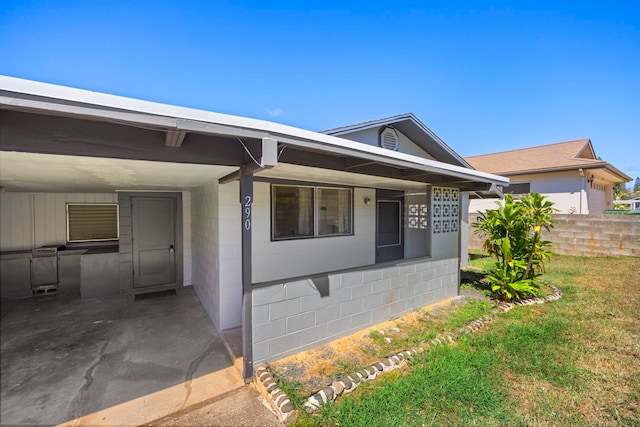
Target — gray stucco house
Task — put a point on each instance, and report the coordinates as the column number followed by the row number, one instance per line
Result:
column 297, row 237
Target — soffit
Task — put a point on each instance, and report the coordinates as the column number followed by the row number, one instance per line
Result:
column 297, row 173
column 32, row 172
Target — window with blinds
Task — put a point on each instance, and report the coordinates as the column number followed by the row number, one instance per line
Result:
column 92, row 222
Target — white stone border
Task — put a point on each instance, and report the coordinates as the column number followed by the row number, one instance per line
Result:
column 285, row 409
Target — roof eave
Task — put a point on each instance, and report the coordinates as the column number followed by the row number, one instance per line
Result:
column 593, row 166
column 53, row 99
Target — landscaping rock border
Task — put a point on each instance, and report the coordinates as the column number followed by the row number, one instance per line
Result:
column 285, row 409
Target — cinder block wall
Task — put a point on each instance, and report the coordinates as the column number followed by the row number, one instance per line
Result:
column 586, row 235
column 295, row 316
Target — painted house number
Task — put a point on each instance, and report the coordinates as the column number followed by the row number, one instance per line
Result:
column 247, row 213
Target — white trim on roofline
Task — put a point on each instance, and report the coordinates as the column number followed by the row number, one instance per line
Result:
column 394, row 119
column 55, row 98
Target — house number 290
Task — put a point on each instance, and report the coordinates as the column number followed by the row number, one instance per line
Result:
column 247, row 212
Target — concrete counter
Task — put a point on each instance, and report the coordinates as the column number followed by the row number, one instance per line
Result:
column 91, row 270
column 15, row 254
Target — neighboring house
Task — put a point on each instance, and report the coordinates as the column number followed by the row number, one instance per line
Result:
column 296, row 236
column 568, row 173
column 634, row 204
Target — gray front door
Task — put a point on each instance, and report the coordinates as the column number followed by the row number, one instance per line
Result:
column 389, row 226
column 154, row 255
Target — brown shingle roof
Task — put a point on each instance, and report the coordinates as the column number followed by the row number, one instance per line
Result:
column 560, row 156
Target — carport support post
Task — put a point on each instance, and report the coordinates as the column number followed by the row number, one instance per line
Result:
column 246, row 202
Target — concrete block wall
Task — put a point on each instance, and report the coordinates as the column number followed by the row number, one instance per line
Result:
column 295, row 316
column 586, row 235
column 596, row 235
column 230, row 255
column 205, row 249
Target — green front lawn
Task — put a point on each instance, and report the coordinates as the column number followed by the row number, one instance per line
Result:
column 572, row 362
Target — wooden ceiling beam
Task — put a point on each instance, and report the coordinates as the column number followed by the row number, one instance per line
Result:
column 174, row 138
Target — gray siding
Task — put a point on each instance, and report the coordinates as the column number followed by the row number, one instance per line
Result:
column 405, row 145
column 125, row 247
column 31, row 220
column 275, row 260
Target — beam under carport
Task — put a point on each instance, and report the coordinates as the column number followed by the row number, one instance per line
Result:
column 174, row 138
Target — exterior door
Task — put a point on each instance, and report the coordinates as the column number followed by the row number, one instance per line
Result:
column 389, row 227
column 153, row 232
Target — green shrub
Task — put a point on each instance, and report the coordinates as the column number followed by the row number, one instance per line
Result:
column 513, row 237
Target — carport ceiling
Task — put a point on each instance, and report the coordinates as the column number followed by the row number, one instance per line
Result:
column 32, row 172
column 51, row 173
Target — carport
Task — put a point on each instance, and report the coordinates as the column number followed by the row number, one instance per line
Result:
column 93, row 354
column 125, row 358
column 61, row 145
column 113, row 360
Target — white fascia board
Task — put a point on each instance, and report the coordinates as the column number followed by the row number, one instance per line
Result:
column 144, row 120
column 438, row 140
column 181, row 118
column 390, row 121
column 379, row 154
column 368, row 124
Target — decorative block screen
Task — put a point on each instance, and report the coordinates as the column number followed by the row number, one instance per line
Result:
column 446, row 209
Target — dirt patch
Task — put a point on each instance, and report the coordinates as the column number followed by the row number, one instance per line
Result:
column 314, row 369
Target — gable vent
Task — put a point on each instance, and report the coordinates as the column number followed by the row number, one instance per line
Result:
column 389, row 139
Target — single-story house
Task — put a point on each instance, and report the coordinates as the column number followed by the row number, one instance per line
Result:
column 297, row 237
column 634, row 204
column 568, row 173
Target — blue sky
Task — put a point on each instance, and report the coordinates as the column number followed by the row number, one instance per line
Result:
column 484, row 76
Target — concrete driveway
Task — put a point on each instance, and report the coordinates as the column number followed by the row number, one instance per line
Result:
column 110, row 361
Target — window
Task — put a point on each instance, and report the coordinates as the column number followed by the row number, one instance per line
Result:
column 334, row 215
column 292, row 212
column 518, row 188
column 304, row 211
column 92, row 222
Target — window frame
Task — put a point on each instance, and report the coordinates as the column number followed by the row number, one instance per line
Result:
column 507, row 189
column 316, row 208
column 317, row 212
column 273, row 213
column 109, row 239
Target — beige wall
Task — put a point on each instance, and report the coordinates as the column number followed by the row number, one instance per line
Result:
column 566, row 189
